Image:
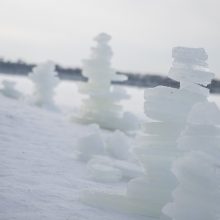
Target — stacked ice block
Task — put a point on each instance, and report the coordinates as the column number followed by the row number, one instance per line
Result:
column 198, row 172
column 102, row 103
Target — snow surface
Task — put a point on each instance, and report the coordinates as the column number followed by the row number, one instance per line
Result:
column 40, row 178
column 39, row 175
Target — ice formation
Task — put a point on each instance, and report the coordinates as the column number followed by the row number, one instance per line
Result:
column 129, row 170
column 9, row 90
column 105, row 169
column 102, row 104
column 90, row 145
column 117, row 146
column 101, row 170
column 157, row 143
column 198, row 172
column 190, row 68
column 45, row 79
column 107, row 157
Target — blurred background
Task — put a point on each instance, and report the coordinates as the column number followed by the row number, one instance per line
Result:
column 143, row 31
column 143, row 34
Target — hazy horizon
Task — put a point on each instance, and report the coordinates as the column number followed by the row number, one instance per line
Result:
column 143, row 32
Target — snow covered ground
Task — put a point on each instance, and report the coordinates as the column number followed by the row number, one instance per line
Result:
column 39, row 175
column 40, row 179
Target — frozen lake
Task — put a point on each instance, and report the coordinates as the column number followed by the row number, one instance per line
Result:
column 68, row 98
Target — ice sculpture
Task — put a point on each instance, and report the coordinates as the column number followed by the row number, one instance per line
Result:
column 45, row 79
column 198, row 172
column 9, row 90
column 157, row 143
column 102, row 104
column 168, row 107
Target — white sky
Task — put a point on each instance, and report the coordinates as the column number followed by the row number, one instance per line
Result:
column 143, row 31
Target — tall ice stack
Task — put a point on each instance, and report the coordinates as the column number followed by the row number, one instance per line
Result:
column 168, row 108
column 157, row 143
column 198, row 172
column 101, row 105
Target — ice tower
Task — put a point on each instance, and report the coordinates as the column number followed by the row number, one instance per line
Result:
column 157, row 142
column 198, row 172
column 45, row 79
column 102, row 103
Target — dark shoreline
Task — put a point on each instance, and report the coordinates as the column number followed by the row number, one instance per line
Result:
column 147, row 80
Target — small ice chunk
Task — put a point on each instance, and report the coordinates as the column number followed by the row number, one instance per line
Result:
column 90, row 145
column 190, row 67
column 160, row 102
column 191, row 76
column 186, row 53
column 118, row 146
column 9, row 90
column 143, row 189
column 130, row 122
column 120, row 93
column 103, row 172
column 205, row 113
column 129, row 170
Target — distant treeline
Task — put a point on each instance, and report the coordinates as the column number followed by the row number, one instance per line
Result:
column 134, row 79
